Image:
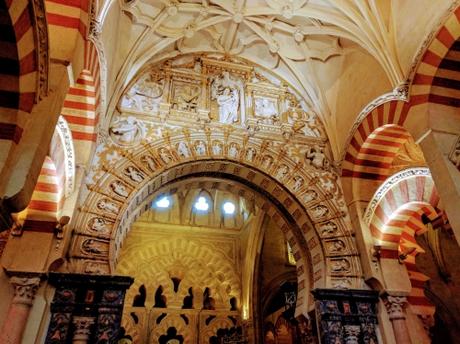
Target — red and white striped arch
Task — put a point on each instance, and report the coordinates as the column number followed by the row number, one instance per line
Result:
column 43, row 210
column 82, row 104
column 67, row 25
column 375, row 145
column 394, row 212
column 434, row 81
column 394, row 217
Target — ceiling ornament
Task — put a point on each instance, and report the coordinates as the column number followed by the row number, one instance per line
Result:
column 282, row 27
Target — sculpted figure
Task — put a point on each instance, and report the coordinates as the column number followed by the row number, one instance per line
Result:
column 98, row 225
column 282, row 172
column 200, row 148
column 217, row 148
column 164, row 155
column 315, row 156
column 182, row 149
column 328, row 228
column 119, row 188
column 134, row 174
column 127, row 131
column 310, row 195
column 233, row 150
column 266, row 108
column 94, row 246
column 105, row 204
column 147, row 159
column 340, row 265
column 319, row 211
column 225, row 90
column 251, row 152
column 267, row 161
column 298, row 183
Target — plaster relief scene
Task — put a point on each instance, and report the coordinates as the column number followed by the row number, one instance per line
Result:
column 238, row 171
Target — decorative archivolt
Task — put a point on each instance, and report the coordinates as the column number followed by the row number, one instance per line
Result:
column 192, row 89
column 301, row 195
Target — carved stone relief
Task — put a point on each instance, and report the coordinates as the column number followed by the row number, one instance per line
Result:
column 127, row 131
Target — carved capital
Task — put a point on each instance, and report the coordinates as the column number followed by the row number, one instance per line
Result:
column 25, row 289
column 82, row 328
column 395, row 306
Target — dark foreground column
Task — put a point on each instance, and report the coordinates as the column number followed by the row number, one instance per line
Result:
column 86, row 308
column 346, row 316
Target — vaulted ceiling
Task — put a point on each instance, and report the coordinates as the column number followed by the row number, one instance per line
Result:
column 339, row 55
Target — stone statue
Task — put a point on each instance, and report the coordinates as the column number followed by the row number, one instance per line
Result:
column 282, row 172
column 319, row 211
column 340, row 265
column 298, row 183
column 266, row 163
column 225, row 90
column 266, row 108
column 217, row 148
column 119, row 188
column 200, row 148
column 328, row 228
column 164, row 155
column 98, row 225
column 250, row 154
column 315, row 156
column 105, row 204
column 145, row 95
column 93, row 246
column 233, row 150
column 134, row 174
column 182, row 149
column 147, row 159
column 309, row 196
column 127, row 131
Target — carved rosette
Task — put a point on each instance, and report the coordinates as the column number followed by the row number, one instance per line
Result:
column 25, row 289
column 395, row 306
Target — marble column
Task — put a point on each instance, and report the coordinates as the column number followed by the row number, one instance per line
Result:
column 82, row 331
column 15, row 321
column 395, row 308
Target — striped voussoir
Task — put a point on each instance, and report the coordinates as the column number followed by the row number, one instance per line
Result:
column 18, row 65
column 82, row 101
column 396, row 222
column 376, row 143
column 397, row 216
column 43, row 209
column 437, row 80
column 69, row 14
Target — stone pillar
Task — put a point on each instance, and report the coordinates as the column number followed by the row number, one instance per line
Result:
column 25, row 288
column 82, row 329
column 395, row 308
column 346, row 316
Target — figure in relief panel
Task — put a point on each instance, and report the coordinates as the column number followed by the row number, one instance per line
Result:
column 266, row 108
column 225, row 90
